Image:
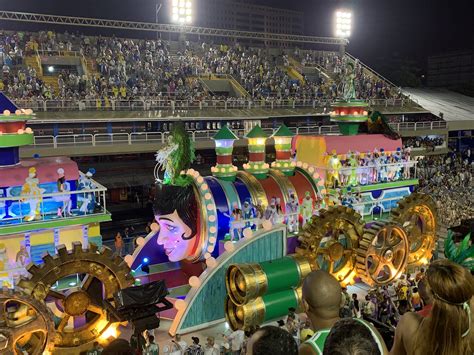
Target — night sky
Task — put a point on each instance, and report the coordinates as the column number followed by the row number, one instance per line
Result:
column 383, row 29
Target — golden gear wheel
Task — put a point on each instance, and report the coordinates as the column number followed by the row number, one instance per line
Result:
column 383, row 253
column 102, row 271
column 417, row 213
column 329, row 241
column 25, row 323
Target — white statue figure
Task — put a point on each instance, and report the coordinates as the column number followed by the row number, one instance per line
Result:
column 32, row 194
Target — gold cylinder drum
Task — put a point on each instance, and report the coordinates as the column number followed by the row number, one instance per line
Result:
column 245, row 282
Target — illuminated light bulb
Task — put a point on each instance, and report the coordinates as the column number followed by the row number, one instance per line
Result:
column 204, row 187
column 299, row 164
column 212, row 219
column 155, row 227
column 128, row 259
column 18, row 112
column 213, row 169
column 248, row 233
column 311, row 170
column 235, row 168
column 194, row 281
column 21, row 131
column 28, row 130
column 210, row 248
column 293, row 164
column 267, row 225
column 29, row 111
column 315, row 176
column 140, row 241
column 223, row 170
column 210, row 207
column 365, row 113
column 207, row 196
column 180, row 304
column 200, row 180
column 212, row 240
column 213, row 230
column 305, row 166
column 6, row 112
column 207, row 256
column 342, row 113
column 211, row 262
column 229, row 246
column 286, row 165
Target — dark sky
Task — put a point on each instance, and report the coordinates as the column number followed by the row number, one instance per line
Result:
column 409, row 29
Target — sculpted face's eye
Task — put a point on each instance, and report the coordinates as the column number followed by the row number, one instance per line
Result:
column 171, row 228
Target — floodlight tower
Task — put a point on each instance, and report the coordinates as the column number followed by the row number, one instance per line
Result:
column 182, row 11
column 343, row 28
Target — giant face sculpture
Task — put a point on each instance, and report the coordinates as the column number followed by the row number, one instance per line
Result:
column 175, row 236
column 176, row 212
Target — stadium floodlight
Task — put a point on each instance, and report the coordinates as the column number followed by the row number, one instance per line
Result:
column 343, row 23
column 182, row 11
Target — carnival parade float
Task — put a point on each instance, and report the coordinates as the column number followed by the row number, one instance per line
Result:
column 235, row 245
column 48, row 206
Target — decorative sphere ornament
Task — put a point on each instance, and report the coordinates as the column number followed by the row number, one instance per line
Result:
column 267, row 225
column 229, row 246
column 194, row 281
column 248, row 233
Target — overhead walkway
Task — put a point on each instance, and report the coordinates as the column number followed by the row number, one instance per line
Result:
column 456, row 109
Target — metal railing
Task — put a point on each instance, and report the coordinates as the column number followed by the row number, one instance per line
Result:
column 121, row 138
column 13, row 208
column 170, row 103
column 416, row 126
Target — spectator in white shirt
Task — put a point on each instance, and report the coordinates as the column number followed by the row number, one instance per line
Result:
column 237, row 339
column 211, row 348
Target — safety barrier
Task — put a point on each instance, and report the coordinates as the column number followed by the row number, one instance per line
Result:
column 170, row 103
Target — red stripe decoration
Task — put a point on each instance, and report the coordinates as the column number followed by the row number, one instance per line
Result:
column 11, row 127
column 282, row 155
column 224, row 159
column 254, row 157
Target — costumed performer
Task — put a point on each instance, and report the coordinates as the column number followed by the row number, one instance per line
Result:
column 307, row 207
column 88, row 199
column 334, row 166
column 63, row 186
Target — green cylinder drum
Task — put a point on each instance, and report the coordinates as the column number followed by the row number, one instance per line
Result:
column 262, row 309
column 246, row 282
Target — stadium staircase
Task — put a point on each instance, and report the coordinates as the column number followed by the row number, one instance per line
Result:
column 34, row 61
column 294, row 70
column 52, row 82
column 90, row 66
column 237, row 86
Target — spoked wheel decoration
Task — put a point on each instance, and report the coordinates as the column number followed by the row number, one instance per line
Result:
column 329, row 241
column 417, row 214
column 382, row 254
column 81, row 319
column 25, row 323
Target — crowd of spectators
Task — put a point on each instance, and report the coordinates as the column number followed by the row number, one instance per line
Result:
column 449, row 179
column 429, row 142
column 401, row 316
column 137, row 69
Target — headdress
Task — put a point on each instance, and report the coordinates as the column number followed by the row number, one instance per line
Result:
column 175, row 158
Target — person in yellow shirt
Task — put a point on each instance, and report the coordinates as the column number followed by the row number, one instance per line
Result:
column 123, row 92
